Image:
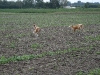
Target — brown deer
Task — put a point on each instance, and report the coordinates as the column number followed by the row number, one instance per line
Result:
column 36, row 29
column 76, row 27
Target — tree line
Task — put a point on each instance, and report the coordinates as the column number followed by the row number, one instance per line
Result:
column 41, row 4
column 32, row 4
column 85, row 5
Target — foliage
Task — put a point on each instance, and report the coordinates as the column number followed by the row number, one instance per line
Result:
column 91, row 72
column 40, row 4
column 4, row 60
column 93, row 38
column 98, row 53
column 62, row 10
column 29, row 4
column 35, row 46
column 90, row 5
column 54, row 3
column 53, row 17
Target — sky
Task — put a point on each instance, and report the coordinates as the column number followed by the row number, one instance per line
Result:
column 72, row 1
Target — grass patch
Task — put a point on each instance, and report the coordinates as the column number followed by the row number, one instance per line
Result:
column 98, row 53
column 36, row 46
column 8, row 35
column 49, row 10
column 21, row 35
column 16, row 35
column 93, row 38
column 4, row 60
column 12, row 45
column 91, row 72
column 62, row 17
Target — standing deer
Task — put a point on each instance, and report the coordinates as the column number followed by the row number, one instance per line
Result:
column 36, row 30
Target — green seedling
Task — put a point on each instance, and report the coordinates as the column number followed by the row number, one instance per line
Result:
column 93, row 38
column 98, row 53
column 4, row 60
column 11, row 45
column 91, row 72
column 36, row 46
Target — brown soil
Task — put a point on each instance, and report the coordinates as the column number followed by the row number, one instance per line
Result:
column 19, row 42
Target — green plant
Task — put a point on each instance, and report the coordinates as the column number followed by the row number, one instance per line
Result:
column 94, row 72
column 63, row 18
column 8, row 35
column 80, row 73
column 98, row 53
column 4, row 60
column 91, row 72
column 11, row 45
column 36, row 46
column 21, row 35
column 93, row 38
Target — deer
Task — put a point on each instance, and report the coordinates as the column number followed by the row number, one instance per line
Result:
column 76, row 27
column 36, row 30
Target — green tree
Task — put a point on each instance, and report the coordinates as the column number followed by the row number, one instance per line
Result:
column 63, row 2
column 19, row 3
column 28, row 3
column 87, row 5
column 54, row 3
column 39, row 3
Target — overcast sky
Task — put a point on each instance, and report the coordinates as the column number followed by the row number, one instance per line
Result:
column 72, row 1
